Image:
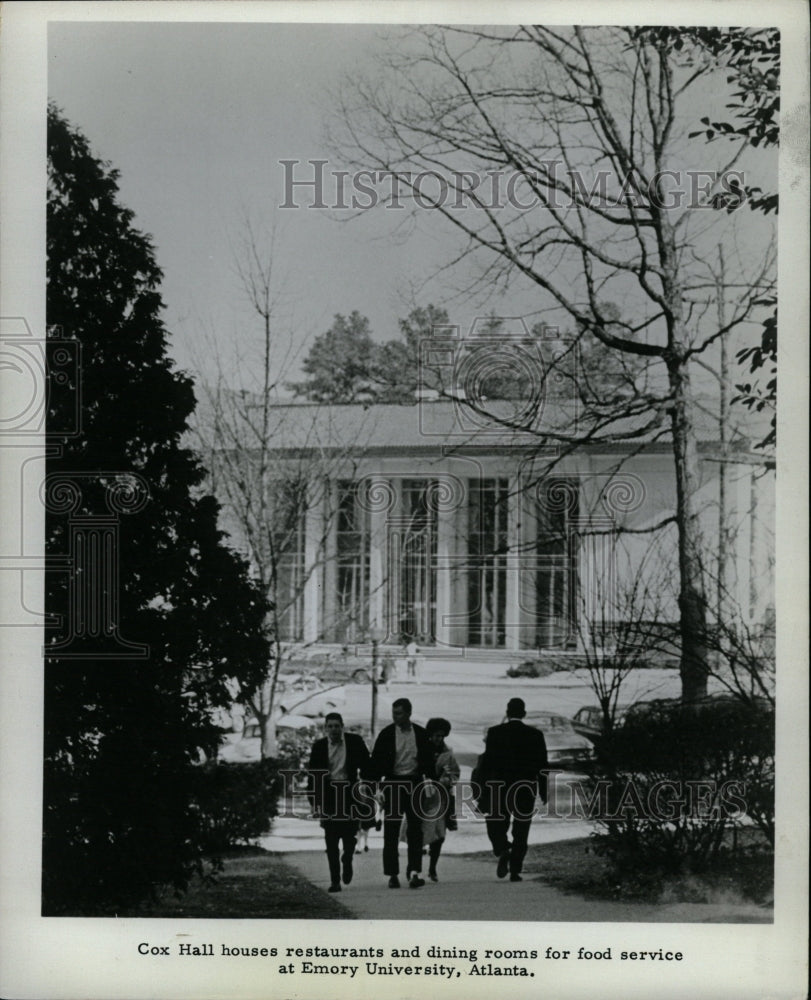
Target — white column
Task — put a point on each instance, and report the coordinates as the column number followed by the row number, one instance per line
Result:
column 446, row 533
column 516, row 557
column 377, row 554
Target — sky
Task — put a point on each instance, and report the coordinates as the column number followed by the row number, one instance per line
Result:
column 196, row 118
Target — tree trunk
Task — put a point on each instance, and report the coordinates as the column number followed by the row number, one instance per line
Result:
column 692, row 596
column 267, row 730
column 724, row 534
column 264, row 708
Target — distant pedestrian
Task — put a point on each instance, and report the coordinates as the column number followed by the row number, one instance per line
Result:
column 387, row 669
column 412, row 655
column 513, row 768
column 337, row 762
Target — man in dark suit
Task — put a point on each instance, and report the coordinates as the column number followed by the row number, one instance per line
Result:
column 336, row 764
column 514, row 770
column 402, row 757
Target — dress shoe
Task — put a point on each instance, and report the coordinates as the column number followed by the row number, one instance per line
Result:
column 335, row 887
column 516, row 878
column 503, row 864
column 432, row 875
column 416, row 882
column 394, row 882
column 347, row 870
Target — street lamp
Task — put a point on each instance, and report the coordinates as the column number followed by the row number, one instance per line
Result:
column 376, row 634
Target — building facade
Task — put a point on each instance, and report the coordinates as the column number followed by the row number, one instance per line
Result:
column 411, row 523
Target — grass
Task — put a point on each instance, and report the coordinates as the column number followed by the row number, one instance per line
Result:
column 744, row 876
column 253, row 884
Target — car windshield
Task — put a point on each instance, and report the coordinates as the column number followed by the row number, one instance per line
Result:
column 549, row 721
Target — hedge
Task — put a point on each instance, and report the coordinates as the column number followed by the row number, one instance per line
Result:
column 235, row 802
column 677, row 778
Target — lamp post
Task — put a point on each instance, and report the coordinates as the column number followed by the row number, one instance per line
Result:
column 375, row 634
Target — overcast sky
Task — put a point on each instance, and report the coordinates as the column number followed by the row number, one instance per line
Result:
column 196, row 118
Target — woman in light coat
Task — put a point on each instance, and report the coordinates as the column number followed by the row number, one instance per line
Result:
column 439, row 814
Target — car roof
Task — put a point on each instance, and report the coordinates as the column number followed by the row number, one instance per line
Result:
column 555, row 718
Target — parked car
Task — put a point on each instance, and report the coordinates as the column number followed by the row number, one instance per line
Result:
column 589, row 720
column 530, row 668
column 305, row 694
column 565, row 748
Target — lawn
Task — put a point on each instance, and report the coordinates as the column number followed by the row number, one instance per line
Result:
column 253, row 884
column 743, row 875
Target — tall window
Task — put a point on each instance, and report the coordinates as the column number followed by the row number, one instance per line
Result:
column 352, row 549
column 556, row 544
column 417, row 571
column 487, row 565
column 287, row 509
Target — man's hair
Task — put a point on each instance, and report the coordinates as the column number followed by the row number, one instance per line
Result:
column 516, row 709
column 402, row 703
column 333, row 716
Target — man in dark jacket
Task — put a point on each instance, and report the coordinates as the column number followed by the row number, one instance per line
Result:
column 402, row 757
column 336, row 764
column 514, row 770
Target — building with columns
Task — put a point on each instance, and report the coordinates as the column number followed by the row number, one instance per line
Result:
column 416, row 521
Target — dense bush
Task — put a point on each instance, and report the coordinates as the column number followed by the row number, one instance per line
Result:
column 547, row 663
column 235, row 803
column 295, row 745
column 674, row 779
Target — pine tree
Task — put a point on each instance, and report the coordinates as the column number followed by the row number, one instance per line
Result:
column 123, row 735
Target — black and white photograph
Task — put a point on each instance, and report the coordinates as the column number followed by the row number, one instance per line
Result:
column 401, row 577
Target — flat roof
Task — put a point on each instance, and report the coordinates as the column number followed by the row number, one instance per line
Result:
column 442, row 424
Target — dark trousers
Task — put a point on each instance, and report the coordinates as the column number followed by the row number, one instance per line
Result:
column 511, row 804
column 335, row 831
column 399, row 801
column 434, row 850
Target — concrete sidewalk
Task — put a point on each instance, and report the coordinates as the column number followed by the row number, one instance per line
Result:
column 292, row 835
column 468, row 889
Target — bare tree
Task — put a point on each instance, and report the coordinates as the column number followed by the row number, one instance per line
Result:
column 624, row 622
column 585, row 130
column 275, row 466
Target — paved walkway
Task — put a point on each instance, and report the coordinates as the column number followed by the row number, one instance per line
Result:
column 469, row 890
column 292, row 836
column 289, row 835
